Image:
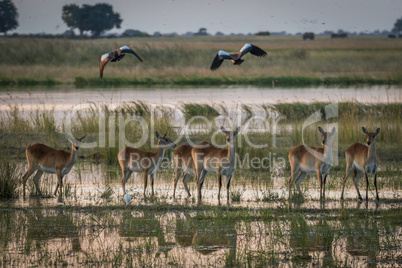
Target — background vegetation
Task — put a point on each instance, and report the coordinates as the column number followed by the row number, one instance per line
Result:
column 186, row 60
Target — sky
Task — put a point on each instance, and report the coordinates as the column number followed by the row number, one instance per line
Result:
column 226, row 16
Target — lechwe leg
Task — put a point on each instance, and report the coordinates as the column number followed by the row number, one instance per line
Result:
column 27, row 174
column 145, row 177
column 228, row 179
column 185, row 181
column 176, row 179
column 36, row 181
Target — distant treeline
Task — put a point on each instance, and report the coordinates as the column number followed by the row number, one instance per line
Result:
column 138, row 33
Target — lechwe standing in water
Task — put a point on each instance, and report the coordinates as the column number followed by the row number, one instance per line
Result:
column 46, row 159
column 304, row 160
column 135, row 160
column 183, row 164
column 360, row 159
column 209, row 158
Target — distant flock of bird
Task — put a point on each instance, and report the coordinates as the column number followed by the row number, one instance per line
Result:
column 118, row 55
column 205, row 157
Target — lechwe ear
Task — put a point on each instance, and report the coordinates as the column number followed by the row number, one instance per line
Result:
column 364, row 130
column 224, row 130
column 83, row 137
column 157, row 135
column 333, row 131
column 237, row 131
column 321, row 130
column 377, row 131
column 73, row 140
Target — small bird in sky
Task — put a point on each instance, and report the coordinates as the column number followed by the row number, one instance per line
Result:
column 127, row 198
column 236, row 57
column 115, row 55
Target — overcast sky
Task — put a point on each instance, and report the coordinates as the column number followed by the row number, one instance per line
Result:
column 227, row 16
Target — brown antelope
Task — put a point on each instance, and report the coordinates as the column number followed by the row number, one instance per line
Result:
column 134, row 160
column 183, row 164
column 304, row 160
column 46, row 159
column 209, row 158
column 360, row 159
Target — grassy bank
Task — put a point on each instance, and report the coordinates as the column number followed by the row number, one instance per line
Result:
column 263, row 81
column 186, row 61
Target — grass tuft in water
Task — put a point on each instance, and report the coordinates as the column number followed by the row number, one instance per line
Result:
column 235, row 196
column 10, row 178
column 194, row 109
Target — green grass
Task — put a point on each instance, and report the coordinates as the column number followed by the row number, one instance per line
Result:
column 10, row 179
column 186, row 61
column 21, row 130
column 263, row 81
column 194, row 109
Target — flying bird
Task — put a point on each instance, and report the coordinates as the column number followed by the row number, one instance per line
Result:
column 115, row 55
column 236, row 57
column 127, row 198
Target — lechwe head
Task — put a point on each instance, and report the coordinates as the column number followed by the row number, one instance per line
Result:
column 46, row 159
column 164, row 142
column 304, row 159
column 231, row 135
column 326, row 137
column 76, row 142
column 362, row 159
column 370, row 136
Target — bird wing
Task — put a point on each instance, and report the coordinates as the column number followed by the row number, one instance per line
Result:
column 222, row 55
column 104, row 60
column 254, row 50
column 216, row 63
column 126, row 49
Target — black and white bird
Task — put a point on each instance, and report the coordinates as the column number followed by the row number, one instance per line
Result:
column 115, row 55
column 236, row 57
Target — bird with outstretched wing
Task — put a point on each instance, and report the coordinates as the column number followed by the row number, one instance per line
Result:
column 236, row 57
column 115, row 55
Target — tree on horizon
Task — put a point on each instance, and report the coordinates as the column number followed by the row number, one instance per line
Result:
column 397, row 25
column 8, row 16
column 96, row 19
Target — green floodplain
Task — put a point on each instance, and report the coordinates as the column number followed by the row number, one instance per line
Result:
column 291, row 61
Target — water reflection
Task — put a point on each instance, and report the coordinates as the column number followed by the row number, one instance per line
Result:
column 146, row 226
column 310, row 238
column 193, row 238
column 362, row 240
column 206, row 236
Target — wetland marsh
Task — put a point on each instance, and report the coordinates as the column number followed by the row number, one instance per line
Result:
column 51, row 87
column 90, row 224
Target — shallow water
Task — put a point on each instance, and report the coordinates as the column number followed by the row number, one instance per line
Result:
column 82, row 228
column 91, row 225
column 63, row 98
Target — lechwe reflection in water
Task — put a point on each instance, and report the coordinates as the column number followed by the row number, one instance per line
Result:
column 307, row 238
column 43, row 227
column 362, row 240
column 206, row 236
column 146, row 226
